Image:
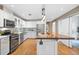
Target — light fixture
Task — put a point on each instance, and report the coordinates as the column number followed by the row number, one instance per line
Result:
column 43, row 14
column 12, row 6
column 43, row 18
column 61, row 9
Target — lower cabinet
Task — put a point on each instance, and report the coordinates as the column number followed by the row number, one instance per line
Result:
column 4, row 45
column 49, row 47
column 29, row 34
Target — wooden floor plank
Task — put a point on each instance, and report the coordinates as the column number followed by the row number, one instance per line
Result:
column 65, row 50
column 29, row 47
column 26, row 48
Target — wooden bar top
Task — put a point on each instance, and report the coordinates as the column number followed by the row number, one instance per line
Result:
column 52, row 36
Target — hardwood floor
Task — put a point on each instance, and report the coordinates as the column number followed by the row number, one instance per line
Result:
column 26, row 48
column 65, row 50
column 29, row 47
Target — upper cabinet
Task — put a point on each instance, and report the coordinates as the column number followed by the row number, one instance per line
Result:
column 19, row 23
column 6, row 19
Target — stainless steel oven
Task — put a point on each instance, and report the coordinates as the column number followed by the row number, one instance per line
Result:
column 14, row 42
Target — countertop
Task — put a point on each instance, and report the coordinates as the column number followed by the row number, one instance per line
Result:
column 55, row 36
column 3, row 36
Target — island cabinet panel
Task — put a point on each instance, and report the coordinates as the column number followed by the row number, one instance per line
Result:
column 49, row 47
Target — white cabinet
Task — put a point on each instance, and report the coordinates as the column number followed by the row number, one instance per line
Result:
column 4, row 45
column 29, row 34
column 1, row 18
column 49, row 47
column 1, row 23
column 5, row 15
column 30, row 24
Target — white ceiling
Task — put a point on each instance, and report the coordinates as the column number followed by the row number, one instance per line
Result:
column 24, row 9
column 52, row 10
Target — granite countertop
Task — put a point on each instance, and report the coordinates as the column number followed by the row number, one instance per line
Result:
column 53, row 36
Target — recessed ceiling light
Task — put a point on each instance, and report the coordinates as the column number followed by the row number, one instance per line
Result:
column 61, row 9
column 12, row 5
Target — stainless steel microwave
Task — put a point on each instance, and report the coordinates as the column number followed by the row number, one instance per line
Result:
column 9, row 23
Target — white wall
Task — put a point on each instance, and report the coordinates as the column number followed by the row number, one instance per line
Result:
column 30, row 24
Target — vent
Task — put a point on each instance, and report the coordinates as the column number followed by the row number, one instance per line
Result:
column 29, row 14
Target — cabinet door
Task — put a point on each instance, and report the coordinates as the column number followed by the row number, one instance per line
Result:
column 31, row 34
column 1, row 22
column 4, row 46
column 49, row 47
column 2, row 14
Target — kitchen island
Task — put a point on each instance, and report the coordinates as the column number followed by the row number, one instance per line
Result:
column 47, row 43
